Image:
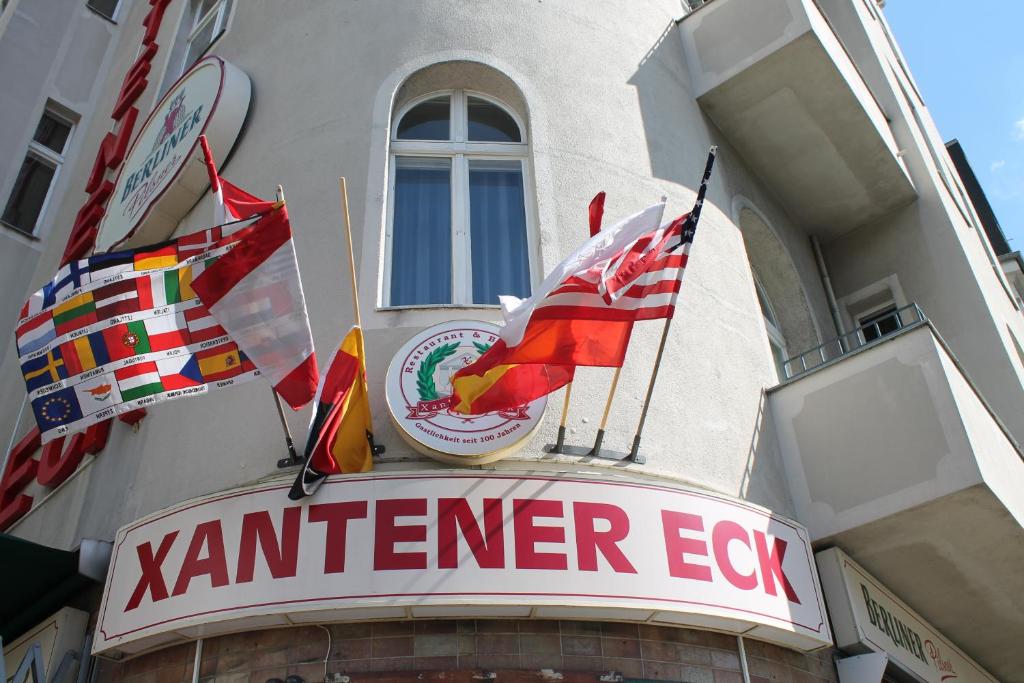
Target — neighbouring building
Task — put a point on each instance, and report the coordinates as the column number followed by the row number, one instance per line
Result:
column 830, row 485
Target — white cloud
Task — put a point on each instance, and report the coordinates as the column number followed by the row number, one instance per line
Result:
column 997, row 165
column 1018, row 130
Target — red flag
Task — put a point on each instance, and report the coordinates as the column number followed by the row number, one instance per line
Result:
column 596, row 212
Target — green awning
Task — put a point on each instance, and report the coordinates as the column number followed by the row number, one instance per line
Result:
column 35, row 582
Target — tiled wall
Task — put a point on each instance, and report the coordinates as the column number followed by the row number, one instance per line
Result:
column 464, row 651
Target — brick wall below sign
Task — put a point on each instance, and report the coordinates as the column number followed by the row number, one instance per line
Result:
column 460, row 651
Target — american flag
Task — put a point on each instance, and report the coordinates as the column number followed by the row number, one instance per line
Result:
column 640, row 283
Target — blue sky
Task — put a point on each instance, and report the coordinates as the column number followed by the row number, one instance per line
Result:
column 968, row 61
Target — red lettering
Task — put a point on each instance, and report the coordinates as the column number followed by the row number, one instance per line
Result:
column 134, row 81
column 489, row 554
column 282, row 555
column 96, row 436
column 589, row 540
column 387, row 534
column 337, row 516
column 58, row 463
column 152, row 578
column 112, row 150
column 771, row 566
column 724, row 533
column 211, row 536
column 21, row 468
column 528, row 534
column 678, row 547
column 86, row 225
column 153, row 20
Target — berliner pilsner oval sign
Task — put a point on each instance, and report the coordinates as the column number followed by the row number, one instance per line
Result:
column 419, row 394
column 164, row 174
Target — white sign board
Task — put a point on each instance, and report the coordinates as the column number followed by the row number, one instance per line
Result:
column 867, row 617
column 164, row 173
column 419, row 393
column 447, row 544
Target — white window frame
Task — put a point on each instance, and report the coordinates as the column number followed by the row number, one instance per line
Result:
column 219, row 15
column 113, row 15
column 775, row 336
column 48, row 156
column 461, row 151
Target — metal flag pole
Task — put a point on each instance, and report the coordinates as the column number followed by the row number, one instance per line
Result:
column 687, row 236
column 293, row 456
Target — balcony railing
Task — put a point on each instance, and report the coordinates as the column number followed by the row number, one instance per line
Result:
column 865, row 336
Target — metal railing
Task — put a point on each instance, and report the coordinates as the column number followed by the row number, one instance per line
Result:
column 875, row 332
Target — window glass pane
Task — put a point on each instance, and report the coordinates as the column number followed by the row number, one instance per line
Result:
column 880, row 324
column 490, row 123
column 200, row 43
column 104, row 7
column 200, row 9
column 766, row 308
column 497, row 221
column 29, row 193
column 52, row 132
column 426, row 121
column 421, row 234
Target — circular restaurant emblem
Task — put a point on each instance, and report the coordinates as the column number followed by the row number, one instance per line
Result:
column 419, row 396
column 163, row 174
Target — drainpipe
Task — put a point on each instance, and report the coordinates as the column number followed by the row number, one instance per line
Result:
column 743, row 659
column 826, row 281
column 198, row 660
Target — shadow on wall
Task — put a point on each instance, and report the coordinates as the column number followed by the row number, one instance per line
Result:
column 676, row 131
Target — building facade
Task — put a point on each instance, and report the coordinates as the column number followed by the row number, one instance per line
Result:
column 832, row 479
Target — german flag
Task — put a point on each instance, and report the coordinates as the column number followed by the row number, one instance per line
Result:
column 341, row 435
column 163, row 255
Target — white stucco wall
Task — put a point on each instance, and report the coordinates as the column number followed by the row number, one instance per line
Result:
column 614, row 112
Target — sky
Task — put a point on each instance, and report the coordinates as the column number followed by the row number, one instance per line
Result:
column 968, row 62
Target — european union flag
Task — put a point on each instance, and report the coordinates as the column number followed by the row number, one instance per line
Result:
column 55, row 409
column 44, row 370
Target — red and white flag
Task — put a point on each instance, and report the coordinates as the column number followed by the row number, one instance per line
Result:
column 254, row 292
column 230, row 202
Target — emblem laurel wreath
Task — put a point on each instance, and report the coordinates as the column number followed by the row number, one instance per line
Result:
column 425, row 375
column 482, row 348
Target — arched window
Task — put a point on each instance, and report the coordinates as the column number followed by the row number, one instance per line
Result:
column 771, row 326
column 457, row 231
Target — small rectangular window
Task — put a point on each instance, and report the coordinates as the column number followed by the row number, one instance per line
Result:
column 106, row 8
column 880, row 324
column 38, row 173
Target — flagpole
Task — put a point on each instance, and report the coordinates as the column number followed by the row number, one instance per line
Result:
column 351, row 251
column 595, row 213
column 295, row 459
column 691, row 224
column 596, row 450
column 375, row 448
column 561, row 425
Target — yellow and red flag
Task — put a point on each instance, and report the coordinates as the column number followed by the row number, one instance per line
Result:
column 341, row 434
column 582, row 314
